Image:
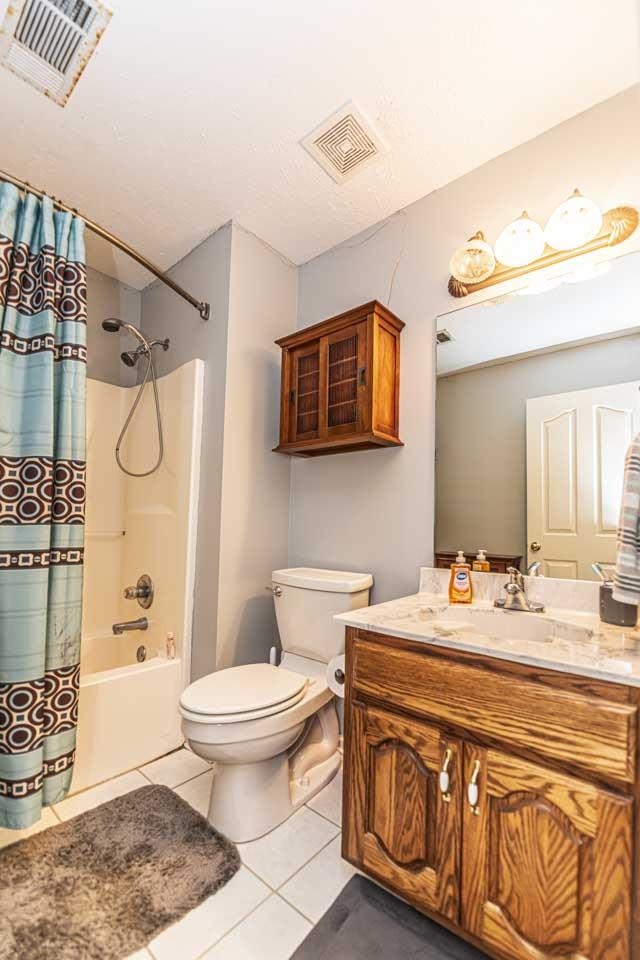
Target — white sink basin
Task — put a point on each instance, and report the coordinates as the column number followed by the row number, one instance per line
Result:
column 506, row 624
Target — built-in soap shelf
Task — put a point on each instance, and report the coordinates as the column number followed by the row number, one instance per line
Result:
column 103, row 534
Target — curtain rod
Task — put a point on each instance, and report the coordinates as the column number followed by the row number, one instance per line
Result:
column 201, row 306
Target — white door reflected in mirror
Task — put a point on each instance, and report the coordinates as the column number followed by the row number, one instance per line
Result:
column 576, row 443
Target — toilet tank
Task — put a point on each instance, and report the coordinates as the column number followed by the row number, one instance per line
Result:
column 306, row 602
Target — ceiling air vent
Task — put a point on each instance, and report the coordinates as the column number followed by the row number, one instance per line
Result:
column 345, row 143
column 48, row 42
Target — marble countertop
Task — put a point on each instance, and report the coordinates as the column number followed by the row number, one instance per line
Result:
column 564, row 640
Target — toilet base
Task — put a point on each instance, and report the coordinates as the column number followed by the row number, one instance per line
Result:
column 250, row 799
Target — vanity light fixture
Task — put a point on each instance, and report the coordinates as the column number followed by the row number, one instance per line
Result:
column 576, row 227
column 474, row 261
column 520, row 243
column 574, row 223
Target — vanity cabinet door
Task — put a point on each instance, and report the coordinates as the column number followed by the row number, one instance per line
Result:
column 401, row 818
column 547, row 862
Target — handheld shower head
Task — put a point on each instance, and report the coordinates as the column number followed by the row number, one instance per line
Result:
column 130, row 359
column 111, row 324
column 114, row 325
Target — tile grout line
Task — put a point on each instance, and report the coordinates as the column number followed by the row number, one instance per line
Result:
column 298, row 869
column 237, row 924
column 325, row 817
column 202, row 773
column 306, row 863
column 296, row 909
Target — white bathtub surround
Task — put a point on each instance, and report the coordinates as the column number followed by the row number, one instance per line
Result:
column 565, row 639
column 128, row 710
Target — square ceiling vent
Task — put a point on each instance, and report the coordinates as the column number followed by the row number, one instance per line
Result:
column 345, row 143
column 49, row 42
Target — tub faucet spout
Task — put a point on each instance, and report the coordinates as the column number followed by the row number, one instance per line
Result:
column 140, row 624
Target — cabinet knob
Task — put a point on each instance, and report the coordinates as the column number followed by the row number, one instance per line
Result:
column 473, row 791
column 444, row 780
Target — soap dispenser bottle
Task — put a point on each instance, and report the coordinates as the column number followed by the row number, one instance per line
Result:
column 481, row 564
column 460, row 587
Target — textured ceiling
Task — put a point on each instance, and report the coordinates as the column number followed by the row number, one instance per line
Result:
column 190, row 113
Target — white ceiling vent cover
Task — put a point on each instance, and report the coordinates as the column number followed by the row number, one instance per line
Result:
column 345, row 143
column 48, row 42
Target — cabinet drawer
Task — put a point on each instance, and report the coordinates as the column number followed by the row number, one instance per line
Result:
column 588, row 732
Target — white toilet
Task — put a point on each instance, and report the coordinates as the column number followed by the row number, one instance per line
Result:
column 273, row 731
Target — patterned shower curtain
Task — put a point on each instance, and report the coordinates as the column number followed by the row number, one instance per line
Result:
column 42, row 496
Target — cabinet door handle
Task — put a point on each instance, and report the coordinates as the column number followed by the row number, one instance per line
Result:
column 444, row 780
column 362, row 377
column 292, row 396
column 473, row 791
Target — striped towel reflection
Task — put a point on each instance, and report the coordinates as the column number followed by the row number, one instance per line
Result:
column 626, row 583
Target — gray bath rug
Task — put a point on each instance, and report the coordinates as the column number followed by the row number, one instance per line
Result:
column 366, row 923
column 100, row 886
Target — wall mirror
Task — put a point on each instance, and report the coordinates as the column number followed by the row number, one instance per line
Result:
column 537, row 400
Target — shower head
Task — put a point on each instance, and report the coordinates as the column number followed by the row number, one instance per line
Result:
column 130, row 357
column 111, row 324
column 114, row 325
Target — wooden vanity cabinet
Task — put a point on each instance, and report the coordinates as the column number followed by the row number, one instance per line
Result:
column 536, row 860
column 340, row 384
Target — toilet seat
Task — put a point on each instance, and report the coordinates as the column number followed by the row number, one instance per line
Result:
column 247, row 692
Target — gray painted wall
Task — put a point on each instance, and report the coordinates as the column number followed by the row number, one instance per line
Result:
column 108, row 298
column 375, row 511
column 206, row 273
column 256, row 481
column 481, row 438
column 244, row 488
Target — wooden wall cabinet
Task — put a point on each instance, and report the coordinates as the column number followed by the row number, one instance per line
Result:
column 341, row 384
column 483, row 824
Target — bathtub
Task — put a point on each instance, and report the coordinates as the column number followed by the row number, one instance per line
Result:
column 128, row 712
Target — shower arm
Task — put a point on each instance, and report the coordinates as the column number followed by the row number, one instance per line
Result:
column 203, row 308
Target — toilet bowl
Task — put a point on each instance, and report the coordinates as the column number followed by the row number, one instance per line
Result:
column 273, row 732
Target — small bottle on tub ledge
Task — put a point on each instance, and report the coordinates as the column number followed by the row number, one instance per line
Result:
column 460, row 587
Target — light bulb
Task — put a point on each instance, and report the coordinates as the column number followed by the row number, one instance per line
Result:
column 520, row 243
column 574, row 223
column 473, row 262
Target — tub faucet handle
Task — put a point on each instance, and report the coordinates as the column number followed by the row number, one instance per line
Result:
column 142, row 592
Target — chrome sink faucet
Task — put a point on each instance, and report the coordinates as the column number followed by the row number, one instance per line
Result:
column 516, row 598
column 140, row 624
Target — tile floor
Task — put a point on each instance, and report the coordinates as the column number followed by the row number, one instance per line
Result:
column 287, row 880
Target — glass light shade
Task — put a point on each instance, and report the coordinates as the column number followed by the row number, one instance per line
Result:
column 520, row 243
column 574, row 223
column 473, row 262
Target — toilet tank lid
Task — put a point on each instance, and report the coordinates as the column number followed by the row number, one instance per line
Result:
column 333, row 581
